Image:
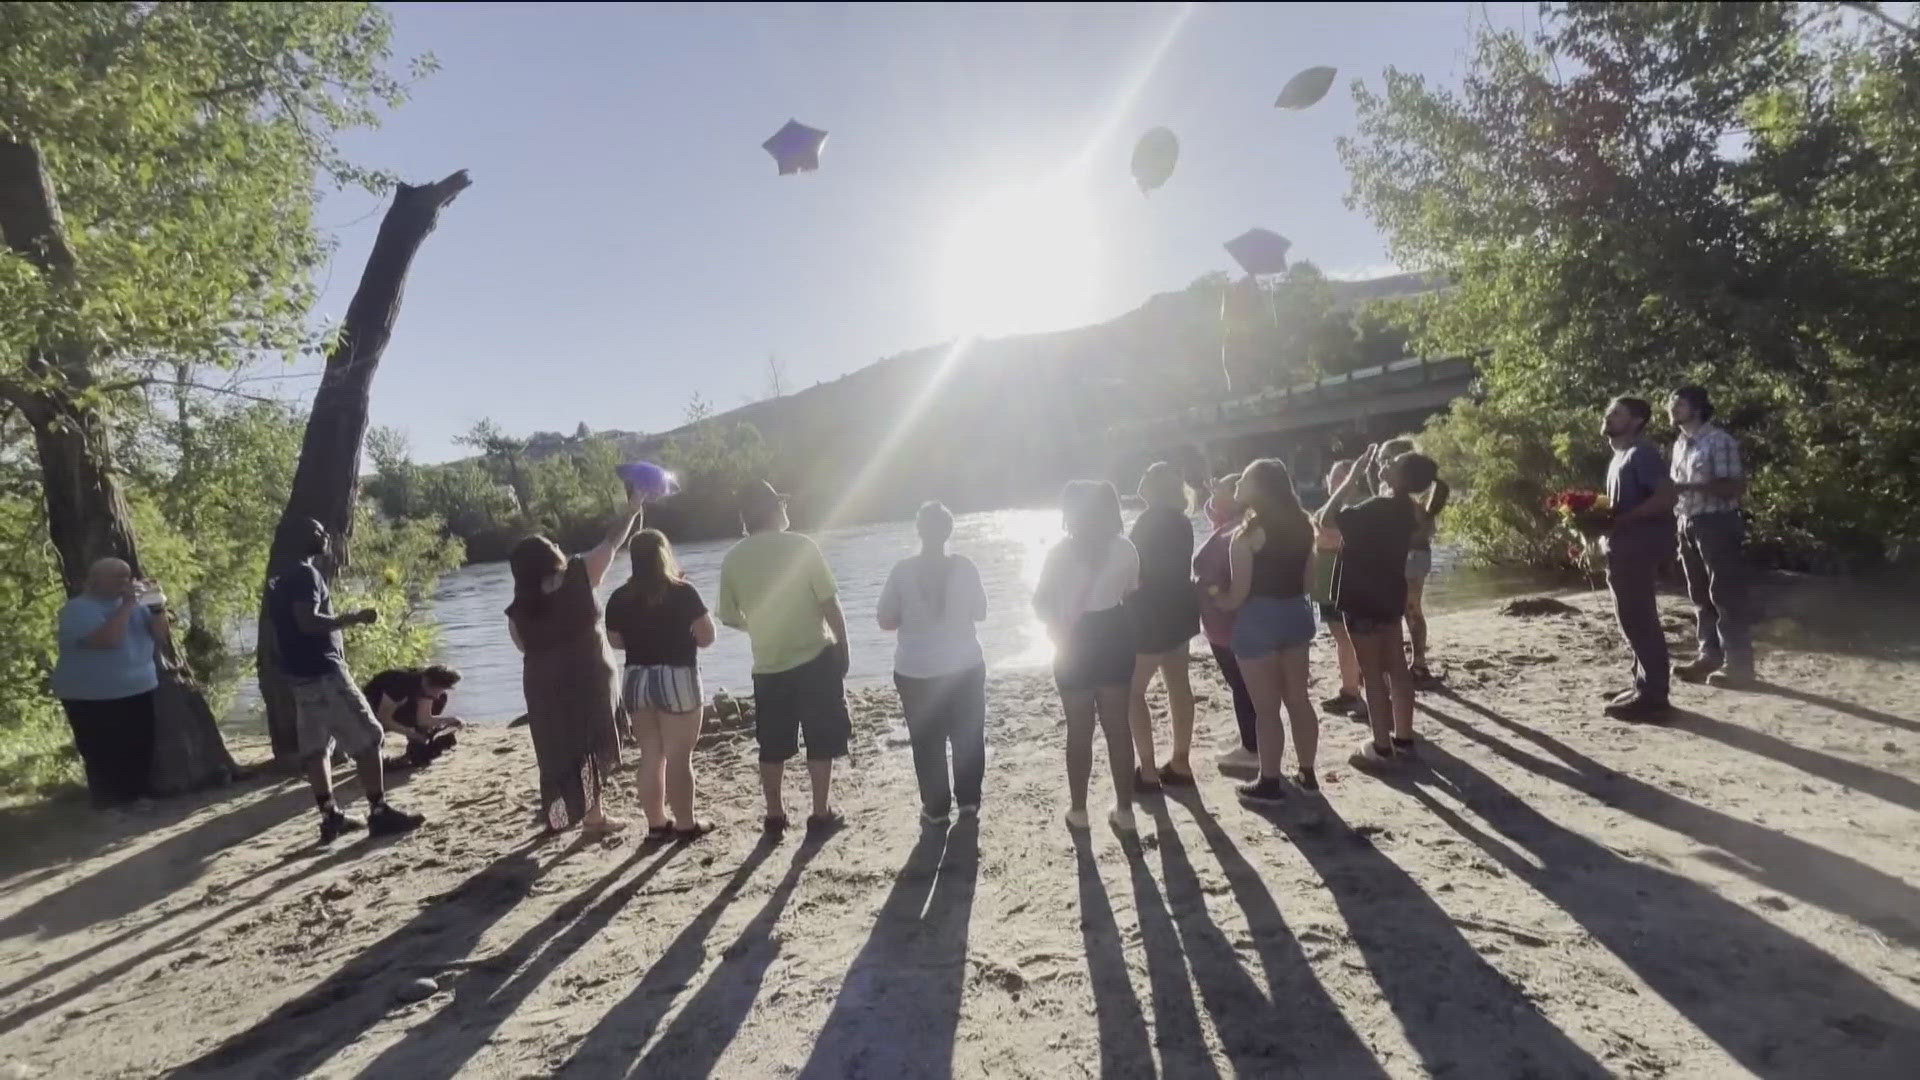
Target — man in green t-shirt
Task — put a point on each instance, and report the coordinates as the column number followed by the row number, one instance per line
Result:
column 776, row 586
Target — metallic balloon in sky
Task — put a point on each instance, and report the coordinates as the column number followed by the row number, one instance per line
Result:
column 1153, row 158
column 1306, row 88
column 1260, row 251
column 796, row 147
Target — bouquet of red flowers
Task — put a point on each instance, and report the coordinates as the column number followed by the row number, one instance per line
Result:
column 1587, row 513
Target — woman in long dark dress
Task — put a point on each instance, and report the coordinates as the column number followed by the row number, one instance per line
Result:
column 568, row 673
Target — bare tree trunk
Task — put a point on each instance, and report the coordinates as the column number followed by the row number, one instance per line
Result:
column 87, row 516
column 327, row 481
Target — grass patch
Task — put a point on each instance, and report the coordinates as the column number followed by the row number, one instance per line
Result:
column 37, row 759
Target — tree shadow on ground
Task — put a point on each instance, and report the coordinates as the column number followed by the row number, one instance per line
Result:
column 1775, row 1003
column 359, row 994
column 626, row 1028
column 486, row 993
column 1124, row 1047
column 706, row 1026
column 316, row 860
column 1788, row 864
column 1293, row 1027
column 899, row 1006
column 1462, row 1015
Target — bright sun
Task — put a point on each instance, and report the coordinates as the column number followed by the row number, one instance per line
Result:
column 1021, row 260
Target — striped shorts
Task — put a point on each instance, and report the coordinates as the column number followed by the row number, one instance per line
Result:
column 661, row 688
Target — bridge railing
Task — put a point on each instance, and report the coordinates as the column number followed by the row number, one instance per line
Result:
column 1274, row 402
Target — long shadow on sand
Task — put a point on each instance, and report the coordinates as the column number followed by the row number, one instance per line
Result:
column 899, row 1005
column 1124, row 1047
column 626, row 1028
column 692, row 1044
column 1177, row 1033
column 1462, row 1015
column 443, row 934
column 1777, row 1004
column 1788, row 864
column 1293, row 1027
column 1897, row 790
column 490, row 991
column 1821, row 701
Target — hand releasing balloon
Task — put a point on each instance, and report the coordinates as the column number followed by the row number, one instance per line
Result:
column 648, row 480
column 796, row 147
column 1153, row 158
column 1306, row 88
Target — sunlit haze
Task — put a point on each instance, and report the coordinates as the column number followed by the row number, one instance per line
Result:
column 627, row 243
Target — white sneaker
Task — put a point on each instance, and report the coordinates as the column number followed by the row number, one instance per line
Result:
column 1239, row 759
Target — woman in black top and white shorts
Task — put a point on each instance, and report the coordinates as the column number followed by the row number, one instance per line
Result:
column 1079, row 598
column 1273, row 626
column 661, row 622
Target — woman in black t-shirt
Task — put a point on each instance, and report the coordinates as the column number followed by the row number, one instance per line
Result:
column 658, row 618
column 1165, row 612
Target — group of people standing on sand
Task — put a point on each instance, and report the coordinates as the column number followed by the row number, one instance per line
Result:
column 1123, row 605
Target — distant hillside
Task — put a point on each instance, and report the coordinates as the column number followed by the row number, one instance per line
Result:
column 1006, row 421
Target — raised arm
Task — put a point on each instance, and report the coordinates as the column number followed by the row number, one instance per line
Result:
column 623, row 526
column 1355, row 475
column 113, row 630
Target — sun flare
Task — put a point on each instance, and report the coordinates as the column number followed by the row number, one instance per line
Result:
column 1021, row 260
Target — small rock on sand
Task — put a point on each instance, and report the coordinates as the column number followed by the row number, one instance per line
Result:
column 1528, row 607
column 416, row 990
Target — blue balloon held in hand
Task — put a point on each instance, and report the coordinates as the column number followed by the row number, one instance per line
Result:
column 649, row 480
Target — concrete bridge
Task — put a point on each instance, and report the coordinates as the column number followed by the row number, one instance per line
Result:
column 1308, row 425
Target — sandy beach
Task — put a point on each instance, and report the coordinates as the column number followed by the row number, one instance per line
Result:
column 1550, row 893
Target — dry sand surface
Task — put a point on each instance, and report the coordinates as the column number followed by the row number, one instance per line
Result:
column 1549, row 894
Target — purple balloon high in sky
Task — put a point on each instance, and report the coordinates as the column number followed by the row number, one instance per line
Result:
column 1260, row 251
column 796, row 147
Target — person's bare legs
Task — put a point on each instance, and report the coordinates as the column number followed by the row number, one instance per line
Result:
column 1296, row 686
column 1399, row 681
column 1344, row 655
column 770, row 772
column 820, row 777
column 1173, row 673
column 1368, row 648
column 1139, row 716
column 653, row 767
column 1111, row 703
column 1078, row 705
column 678, row 733
column 1264, row 685
column 1417, row 617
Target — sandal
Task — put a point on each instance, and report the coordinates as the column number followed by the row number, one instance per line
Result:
column 659, row 832
column 819, row 824
column 774, row 823
column 692, row 832
column 1171, row 777
column 1144, row 782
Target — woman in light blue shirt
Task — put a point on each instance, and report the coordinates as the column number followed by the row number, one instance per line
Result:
column 105, row 679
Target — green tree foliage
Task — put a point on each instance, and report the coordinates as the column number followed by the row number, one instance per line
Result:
column 1643, row 195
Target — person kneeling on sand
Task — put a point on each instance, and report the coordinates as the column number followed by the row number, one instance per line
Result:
column 777, row 587
column 412, row 702
column 1370, row 589
column 1085, row 579
column 329, row 709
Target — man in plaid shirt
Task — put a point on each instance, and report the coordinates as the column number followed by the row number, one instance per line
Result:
column 1709, row 481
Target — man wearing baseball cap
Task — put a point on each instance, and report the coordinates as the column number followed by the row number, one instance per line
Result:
column 776, row 586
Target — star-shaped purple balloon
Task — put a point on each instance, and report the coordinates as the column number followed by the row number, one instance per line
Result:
column 796, row 147
column 1260, row 251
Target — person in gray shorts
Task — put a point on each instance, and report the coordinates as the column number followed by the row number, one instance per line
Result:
column 329, row 709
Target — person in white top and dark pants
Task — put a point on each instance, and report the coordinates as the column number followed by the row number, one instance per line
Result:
column 933, row 600
column 1085, row 579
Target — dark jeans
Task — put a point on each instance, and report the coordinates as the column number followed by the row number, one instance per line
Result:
column 115, row 740
column 1242, row 701
column 1633, row 564
column 942, row 710
column 1713, row 552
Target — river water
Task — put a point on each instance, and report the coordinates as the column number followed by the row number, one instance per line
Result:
column 1007, row 545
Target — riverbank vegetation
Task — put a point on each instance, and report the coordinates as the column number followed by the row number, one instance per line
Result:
column 1636, row 197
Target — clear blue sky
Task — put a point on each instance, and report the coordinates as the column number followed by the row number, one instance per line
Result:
column 627, row 244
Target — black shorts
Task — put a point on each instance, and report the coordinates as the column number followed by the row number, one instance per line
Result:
column 1370, row 624
column 1098, row 652
column 811, row 700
